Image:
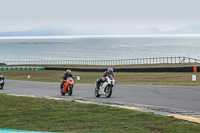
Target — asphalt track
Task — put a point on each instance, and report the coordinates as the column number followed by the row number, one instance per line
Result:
column 173, row 99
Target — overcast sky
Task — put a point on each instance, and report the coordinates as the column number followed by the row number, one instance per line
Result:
column 163, row 14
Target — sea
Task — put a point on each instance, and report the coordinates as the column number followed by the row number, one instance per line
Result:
column 98, row 47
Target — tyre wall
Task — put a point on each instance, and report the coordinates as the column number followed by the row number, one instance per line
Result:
column 21, row 68
column 133, row 69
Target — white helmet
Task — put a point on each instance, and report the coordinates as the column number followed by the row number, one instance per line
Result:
column 1, row 76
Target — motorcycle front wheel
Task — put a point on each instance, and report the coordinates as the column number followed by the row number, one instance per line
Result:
column 70, row 91
column 61, row 88
column 108, row 91
column 96, row 93
column 1, row 87
column 62, row 93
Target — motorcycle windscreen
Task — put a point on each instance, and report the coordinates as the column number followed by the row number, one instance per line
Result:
column 110, row 76
column 70, row 78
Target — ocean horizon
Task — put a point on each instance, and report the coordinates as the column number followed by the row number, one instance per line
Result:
column 101, row 47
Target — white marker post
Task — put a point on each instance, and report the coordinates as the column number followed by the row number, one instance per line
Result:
column 194, row 78
column 29, row 76
column 78, row 78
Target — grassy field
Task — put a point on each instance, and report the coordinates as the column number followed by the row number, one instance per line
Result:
column 39, row 114
column 121, row 77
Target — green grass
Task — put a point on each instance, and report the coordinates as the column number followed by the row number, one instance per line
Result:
column 121, row 77
column 40, row 114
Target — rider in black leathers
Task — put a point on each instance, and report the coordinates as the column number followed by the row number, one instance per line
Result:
column 66, row 75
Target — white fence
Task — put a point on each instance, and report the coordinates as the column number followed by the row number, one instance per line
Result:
column 159, row 60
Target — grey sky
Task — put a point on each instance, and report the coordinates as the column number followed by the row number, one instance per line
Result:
column 163, row 14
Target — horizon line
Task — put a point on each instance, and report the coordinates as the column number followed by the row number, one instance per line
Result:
column 96, row 36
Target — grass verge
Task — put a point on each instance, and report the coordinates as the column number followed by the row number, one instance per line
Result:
column 40, row 114
column 121, row 77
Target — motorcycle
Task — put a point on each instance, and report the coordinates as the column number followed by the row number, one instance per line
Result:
column 68, row 86
column 105, row 87
column 1, row 84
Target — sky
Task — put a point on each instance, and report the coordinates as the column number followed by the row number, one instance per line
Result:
column 163, row 14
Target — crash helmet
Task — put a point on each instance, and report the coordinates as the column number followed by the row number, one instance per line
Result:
column 1, row 76
column 68, row 71
column 110, row 70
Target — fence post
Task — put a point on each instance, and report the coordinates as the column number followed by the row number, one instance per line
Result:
column 171, row 59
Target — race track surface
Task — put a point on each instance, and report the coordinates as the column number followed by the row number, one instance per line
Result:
column 181, row 99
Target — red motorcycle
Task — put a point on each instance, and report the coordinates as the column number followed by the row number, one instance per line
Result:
column 68, row 86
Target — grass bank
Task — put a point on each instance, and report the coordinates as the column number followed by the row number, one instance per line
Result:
column 39, row 114
column 121, row 77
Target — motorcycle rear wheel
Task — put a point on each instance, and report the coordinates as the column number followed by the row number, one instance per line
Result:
column 108, row 91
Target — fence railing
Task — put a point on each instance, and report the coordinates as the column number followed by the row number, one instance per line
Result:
column 159, row 60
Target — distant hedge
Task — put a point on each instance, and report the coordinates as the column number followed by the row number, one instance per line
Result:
column 2, row 63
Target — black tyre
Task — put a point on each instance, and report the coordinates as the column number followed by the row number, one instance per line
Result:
column 96, row 93
column 108, row 91
column 61, row 87
column 70, row 91
column 62, row 93
column 1, row 87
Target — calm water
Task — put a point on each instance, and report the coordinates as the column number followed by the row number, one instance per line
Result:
column 99, row 48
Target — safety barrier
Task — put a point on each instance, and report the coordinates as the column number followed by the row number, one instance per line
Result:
column 21, row 68
column 128, row 69
column 134, row 69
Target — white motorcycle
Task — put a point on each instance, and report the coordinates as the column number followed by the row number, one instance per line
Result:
column 1, row 84
column 105, row 87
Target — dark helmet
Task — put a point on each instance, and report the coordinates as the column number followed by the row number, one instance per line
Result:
column 110, row 70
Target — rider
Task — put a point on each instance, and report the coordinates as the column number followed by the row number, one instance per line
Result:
column 66, row 75
column 102, row 79
column 2, row 78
